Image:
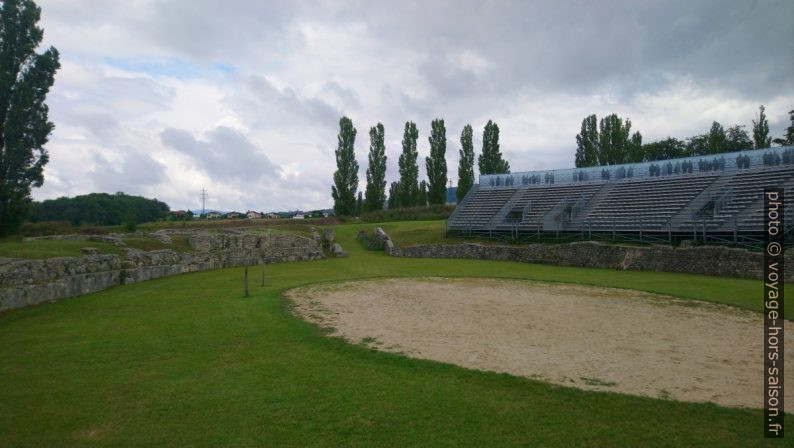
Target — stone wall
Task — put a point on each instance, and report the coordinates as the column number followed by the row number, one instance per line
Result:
column 30, row 282
column 708, row 260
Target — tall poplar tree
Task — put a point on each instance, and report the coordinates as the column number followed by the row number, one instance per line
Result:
column 409, row 170
column 587, row 143
column 761, row 138
column 423, row 194
column 25, row 80
column 490, row 161
column 613, row 140
column 359, row 205
column 346, row 175
column 394, row 196
column 466, row 163
column 436, row 163
column 376, row 173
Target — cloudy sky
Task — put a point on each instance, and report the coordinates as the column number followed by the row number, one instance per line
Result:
column 164, row 97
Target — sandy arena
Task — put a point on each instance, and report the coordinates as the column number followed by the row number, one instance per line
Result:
column 586, row 337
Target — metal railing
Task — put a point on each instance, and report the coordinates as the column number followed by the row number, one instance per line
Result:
column 685, row 166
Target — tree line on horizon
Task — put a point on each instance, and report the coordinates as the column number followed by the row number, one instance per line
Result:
column 99, row 209
column 610, row 142
column 408, row 191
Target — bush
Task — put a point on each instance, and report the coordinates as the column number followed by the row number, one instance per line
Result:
column 130, row 224
column 57, row 228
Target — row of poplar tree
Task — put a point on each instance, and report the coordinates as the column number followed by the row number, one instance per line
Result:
column 408, row 191
column 610, row 142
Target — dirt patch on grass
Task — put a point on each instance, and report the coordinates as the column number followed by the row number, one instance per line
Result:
column 586, row 337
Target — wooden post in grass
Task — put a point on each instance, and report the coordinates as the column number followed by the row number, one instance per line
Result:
column 246, row 279
column 263, row 275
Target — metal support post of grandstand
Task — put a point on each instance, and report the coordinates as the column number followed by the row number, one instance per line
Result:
column 694, row 231
column 735, row 229
column 640, row 229
column 613, row 230
column 704, row 230
column 669, row 231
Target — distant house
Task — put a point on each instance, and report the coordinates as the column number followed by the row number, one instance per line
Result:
column 272, row 216
column 178, row 213
column 233, row 215
column 253, row 215
column 213, row 215
column 298, row 216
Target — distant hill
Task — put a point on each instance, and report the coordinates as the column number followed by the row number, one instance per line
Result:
column 99, row 209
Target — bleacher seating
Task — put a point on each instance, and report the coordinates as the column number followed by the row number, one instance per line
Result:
column 650, row 204
column 727, row 199
column 480, row 210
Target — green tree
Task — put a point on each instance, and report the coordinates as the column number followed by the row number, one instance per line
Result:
column 737, row 139
column 423, row 194
column 376, row 173
column 613, row 140
column 635, row 153
column 466, row 163
column 394, row 196
column 99, row 209
column 761, row 138
column 697, row 145
column 359, row 205
column 409, row 170
column 669, row 148
column 346, row 175
column 716, row 139
column 490, row 161
column 587, row 143
column 436, row 164
column 788, row 136
column 130, row 223
column 25, row 80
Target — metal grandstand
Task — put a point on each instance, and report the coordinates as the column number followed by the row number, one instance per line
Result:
column 715, row 199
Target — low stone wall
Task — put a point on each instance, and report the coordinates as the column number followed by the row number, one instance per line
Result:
column 708, row 260
column 30, row 282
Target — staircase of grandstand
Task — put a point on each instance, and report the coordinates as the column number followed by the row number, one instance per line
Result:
column 715, row 203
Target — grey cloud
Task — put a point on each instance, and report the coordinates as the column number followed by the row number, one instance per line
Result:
column 225, row 153
column 135, row 174
column 272, row 107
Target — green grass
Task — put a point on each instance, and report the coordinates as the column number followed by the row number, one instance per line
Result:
column 186, row 361
column 40, row 249
column 410, row 233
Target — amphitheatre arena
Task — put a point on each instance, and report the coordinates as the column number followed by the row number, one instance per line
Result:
column 587, row 337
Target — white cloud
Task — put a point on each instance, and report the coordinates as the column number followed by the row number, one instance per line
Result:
column 165, row 98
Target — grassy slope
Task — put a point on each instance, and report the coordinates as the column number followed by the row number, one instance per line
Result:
column 186, row 361
column 40, row 249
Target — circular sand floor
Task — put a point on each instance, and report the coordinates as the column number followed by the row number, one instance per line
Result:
column 586, row 337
